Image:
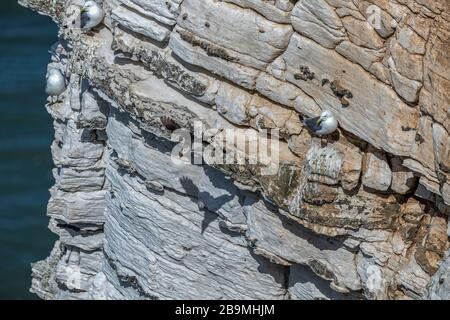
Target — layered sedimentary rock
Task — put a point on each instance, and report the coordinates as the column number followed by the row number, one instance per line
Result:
column 360, row 214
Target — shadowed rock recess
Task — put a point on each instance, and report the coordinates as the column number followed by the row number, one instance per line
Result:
column 362, row 214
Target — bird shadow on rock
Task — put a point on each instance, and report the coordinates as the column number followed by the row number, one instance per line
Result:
column 207, row 202
column 203, row 199
column 279, row 273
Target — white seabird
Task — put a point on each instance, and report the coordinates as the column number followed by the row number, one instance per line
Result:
column 55, row 84
column 91, row 15
column 325, row 124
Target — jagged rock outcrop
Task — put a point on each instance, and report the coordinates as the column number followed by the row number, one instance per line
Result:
column 360, row 214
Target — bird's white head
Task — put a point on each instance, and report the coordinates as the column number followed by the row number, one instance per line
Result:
column 53, row 71
column 325, row 115
column 89, row 4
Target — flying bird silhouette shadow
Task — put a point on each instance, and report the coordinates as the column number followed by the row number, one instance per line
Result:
column 206, row 202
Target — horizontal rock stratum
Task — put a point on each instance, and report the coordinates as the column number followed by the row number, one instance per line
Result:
column 360, row 214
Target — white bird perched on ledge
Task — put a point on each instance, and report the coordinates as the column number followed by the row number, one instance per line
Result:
column 91, row 15
column 55, row 84
column 325, row 124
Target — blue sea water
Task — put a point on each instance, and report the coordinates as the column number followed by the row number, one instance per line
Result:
column 25, row 135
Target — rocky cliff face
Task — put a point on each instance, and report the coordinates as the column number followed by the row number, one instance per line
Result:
column 360, row 214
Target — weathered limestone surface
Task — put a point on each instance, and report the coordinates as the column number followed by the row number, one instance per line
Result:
column 361, row 214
